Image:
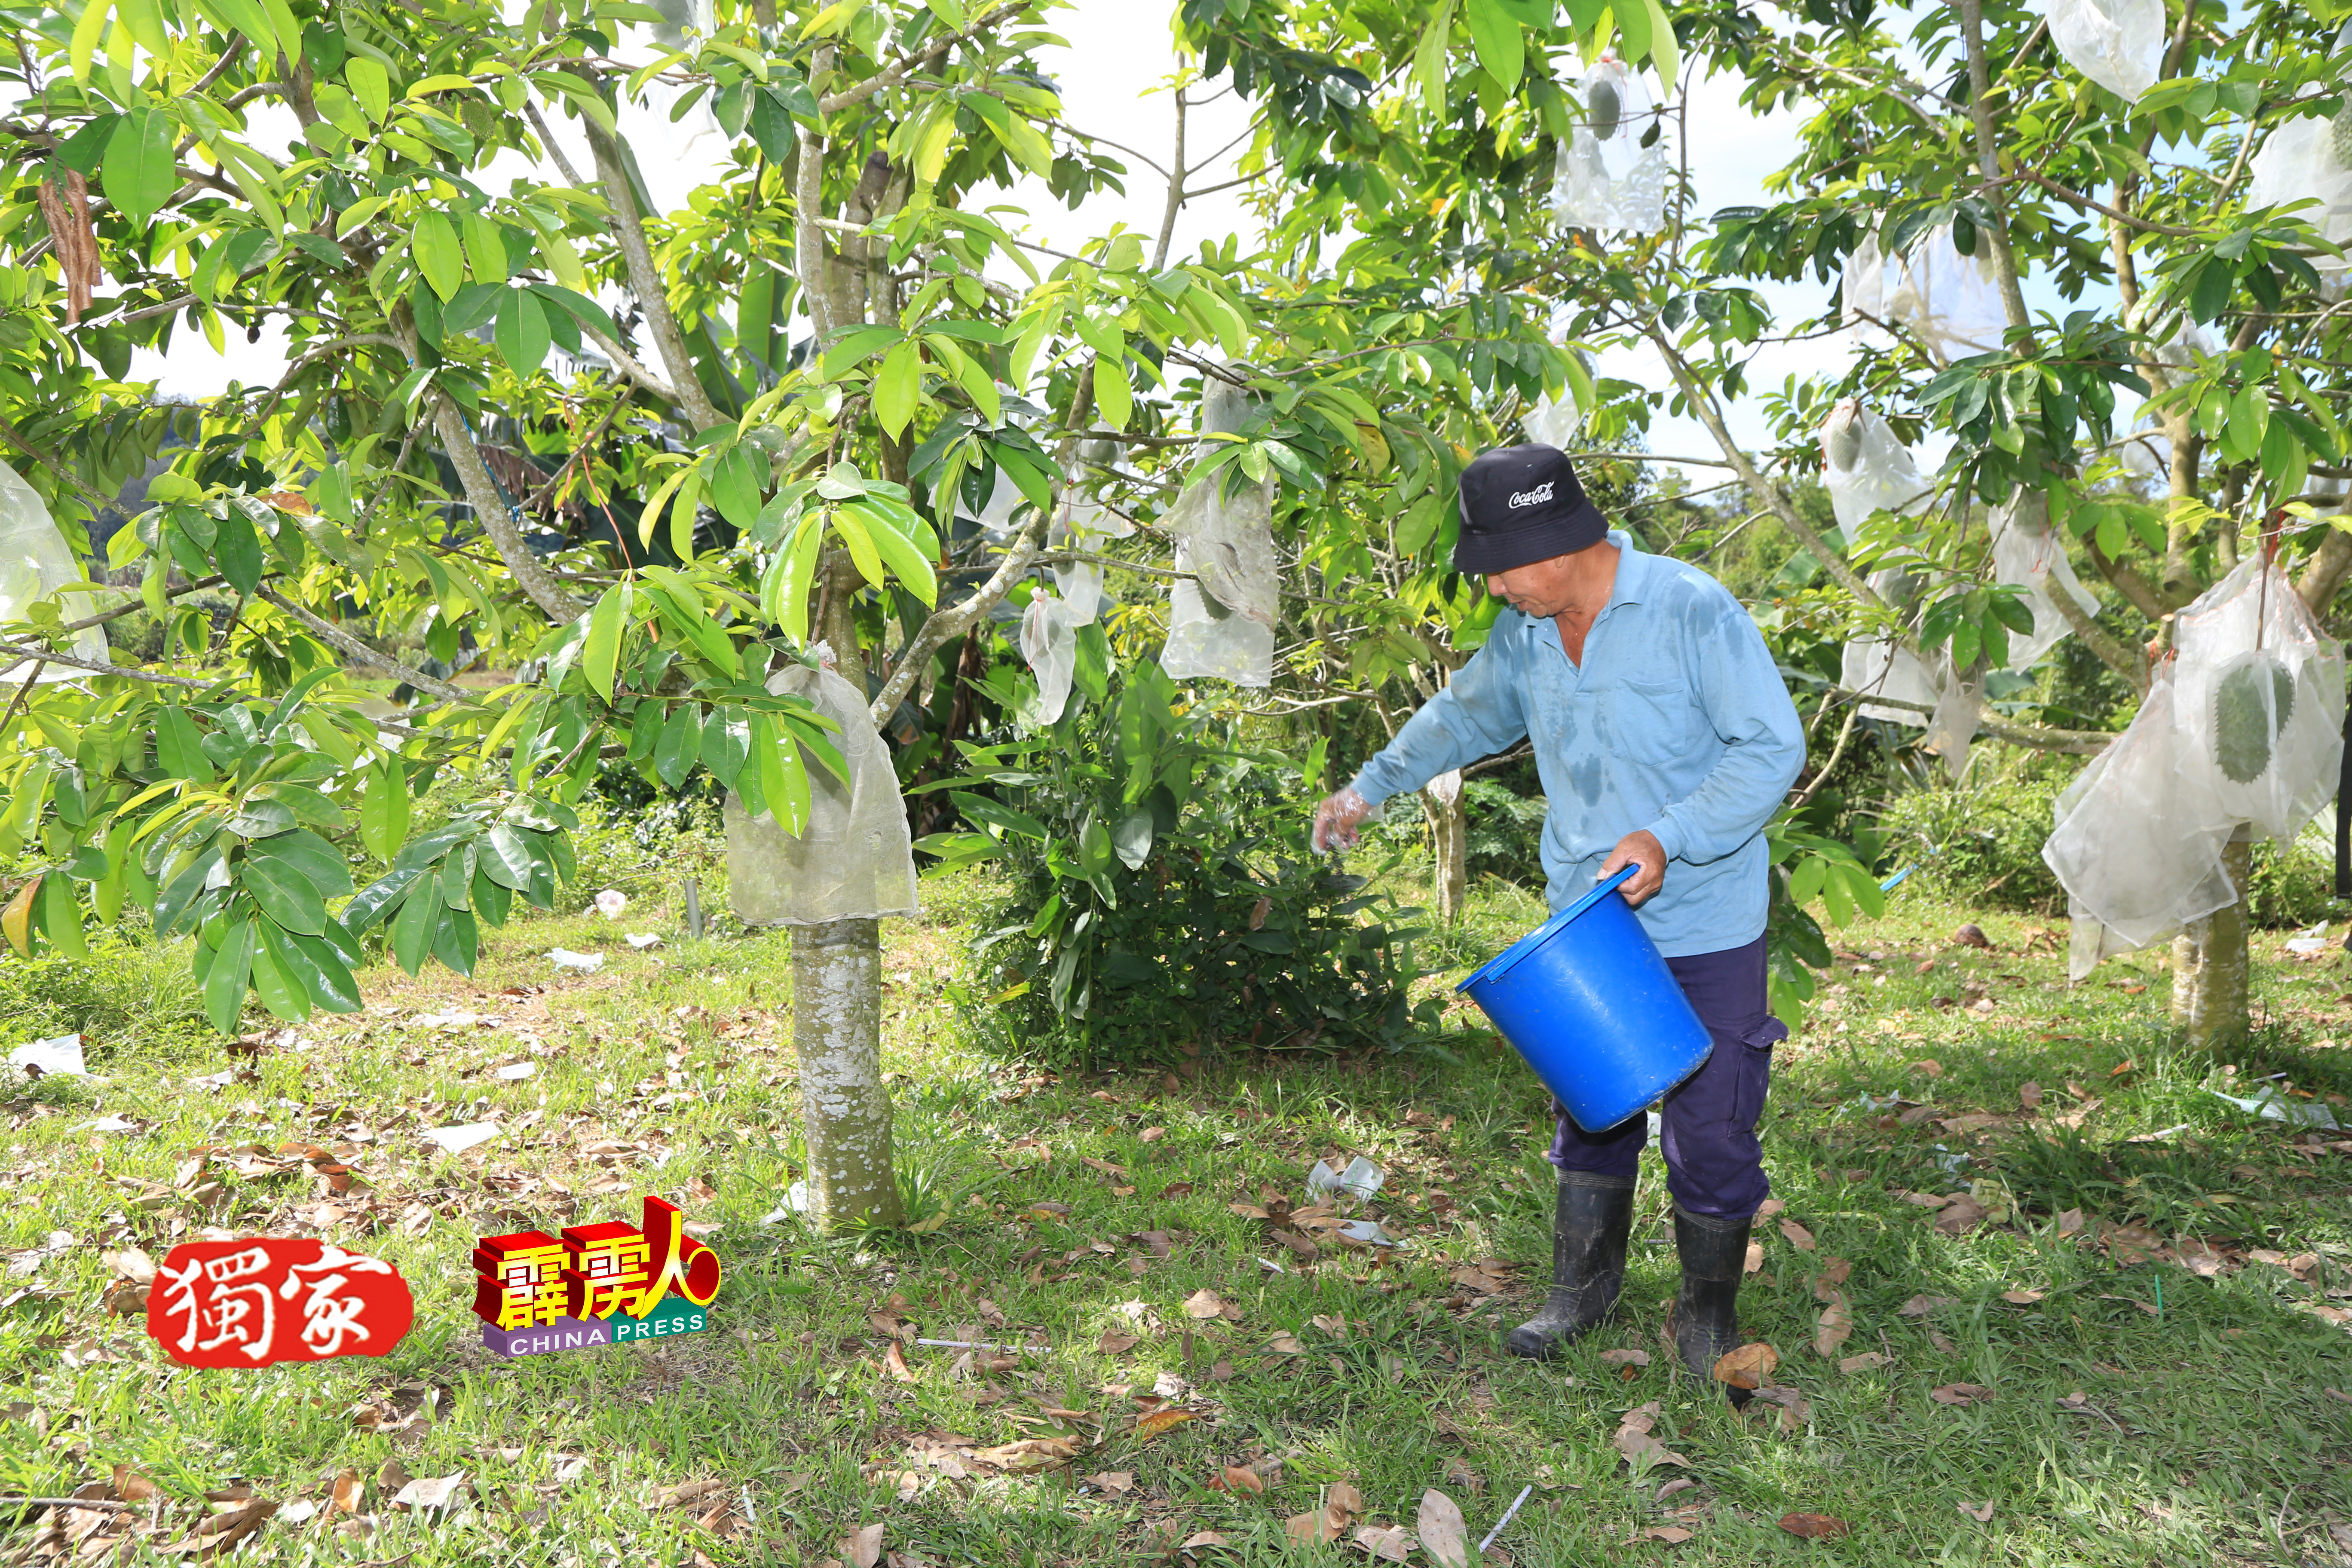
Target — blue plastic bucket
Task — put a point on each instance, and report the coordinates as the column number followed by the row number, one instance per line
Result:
column 1588, row 1000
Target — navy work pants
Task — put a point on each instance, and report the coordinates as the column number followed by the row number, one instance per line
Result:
column 1715, row 1166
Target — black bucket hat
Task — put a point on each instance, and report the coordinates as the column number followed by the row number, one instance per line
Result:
column 1522, row 504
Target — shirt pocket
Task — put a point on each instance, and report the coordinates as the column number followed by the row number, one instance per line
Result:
column 1650, row 721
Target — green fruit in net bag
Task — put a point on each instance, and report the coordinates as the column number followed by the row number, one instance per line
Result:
column 2340, row 131
column 1846, row 444
column 2243, row 725
column 1603, row 109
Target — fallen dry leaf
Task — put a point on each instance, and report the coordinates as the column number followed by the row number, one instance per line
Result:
column 1624, row 1358
column 1749, row 1366
column 1834, row 1273
column 426, row 1493
column 1960, row 1394
column 1979, row 1512
column 1835, row 1328
column 2029, row 1095
column 1160, row 1421
column 1920, row 1305
column 894, row 1362
column 1798, row 1237
column 2021, row 1298
column 863, row 1550
column 1866, row 1361
column 1343, row 1496
column 1391, row 1544
column 1444, row 1535
column 1755, row 1259
column 346, row 1494
column 2070, row 1221
column 1115, row 1482
column 1960, row 1216
column 1814, row 1526
column 1672, row 1534
column 1286, row 1344
column 1200, row 1541
column 130, row 1485
column 1204, row 1303
column 1326, row 1523
column 1117, row 1343
column 1927, row 1067
column 1238, row 1479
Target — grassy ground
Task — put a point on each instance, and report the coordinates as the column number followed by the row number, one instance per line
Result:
column 2036, row 1384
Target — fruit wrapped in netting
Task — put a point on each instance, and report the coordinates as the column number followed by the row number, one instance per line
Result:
column 1221, row 620
column 1049, row 626
column 1883, row 667
column 2115, row 43
column 856, row 860
column 2262, row 697
column 2139, row 836
column 2241, row 727
column 35, row 562
column 1611, row 168
column 1865, row 469
column 2309, row 159
column 2027, row 554
column 1950, row 303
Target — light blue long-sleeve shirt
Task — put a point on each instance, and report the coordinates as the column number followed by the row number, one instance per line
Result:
column 1677, row 721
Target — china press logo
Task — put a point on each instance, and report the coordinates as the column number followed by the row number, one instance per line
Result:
column 599, row 1284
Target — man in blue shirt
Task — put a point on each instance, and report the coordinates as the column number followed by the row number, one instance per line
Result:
column 1664, row 736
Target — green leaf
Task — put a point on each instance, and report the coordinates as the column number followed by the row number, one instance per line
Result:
column 412, row 928
column 383, row 810
column 1495, row 33
column 736, row 482
column 726, row 742
column 510, row 860
column 1429, row 59
column 1112, row 395
column 522, row 332
column 284, row 893
column 139, row 171
column 179, row 749
column 1131, row 838
column 226, row 981
column 277, row 989
column 236, row 551
column 1664, row 53
column 486, row 245
column 600, row 660
column 321, row 972
column 898, row 386
column 457, row 940
column 681, row 741
column 309, row 855
column 60, row 916
column 440, row 260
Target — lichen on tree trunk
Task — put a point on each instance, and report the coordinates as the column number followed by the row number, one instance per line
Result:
column 2209, row 964
column 845, row 1110
column 1449, row 833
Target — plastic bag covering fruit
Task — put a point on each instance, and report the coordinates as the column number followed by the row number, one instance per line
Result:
column 2241, row 727
column 1610, row 169
column 1948, row 301
column 2261, row 696
column 1865, row 469
column 1221, row 625
column 35, row 561
column 2302, row 162
column 1881, row 666
column 854, row 860
column 2026, row 554
column 2115, row 43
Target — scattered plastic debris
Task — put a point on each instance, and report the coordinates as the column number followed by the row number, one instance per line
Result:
column 1876, row 1105
column 2272, row 1106
column 1368, row 1233
column 565, row 958
column 642, row 940
column 457, row 1139
column 796, row 1203
column 1361, row 1179
column 58, row 1057
column 108, row 1124
column 515, row 1072
column 2306, row 944
column 213, row 1079
column 611, row 902
column 445, row 1021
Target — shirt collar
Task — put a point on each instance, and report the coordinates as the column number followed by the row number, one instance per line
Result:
column 1634, row 570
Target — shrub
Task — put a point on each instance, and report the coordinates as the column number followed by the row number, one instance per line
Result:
column 131, row 995
column 1159, row 896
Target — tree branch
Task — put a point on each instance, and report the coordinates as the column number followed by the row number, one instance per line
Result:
column 629, row 365
column 920, row 59
column 482, row 493
column 645, row 280
column 2041, row 738
column 2004, row 260
column 343, row 642
column 99, row 667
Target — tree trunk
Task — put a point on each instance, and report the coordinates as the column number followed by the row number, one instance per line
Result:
column 2209, row 963
column 1449, row 835
column 838, row 1030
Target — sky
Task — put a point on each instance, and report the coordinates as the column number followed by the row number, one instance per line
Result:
column 1113, row 78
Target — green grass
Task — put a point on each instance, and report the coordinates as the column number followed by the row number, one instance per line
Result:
column 2206, row 1432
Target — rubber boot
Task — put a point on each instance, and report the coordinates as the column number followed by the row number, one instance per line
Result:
column 1714, row 1255
column 1588, row 1232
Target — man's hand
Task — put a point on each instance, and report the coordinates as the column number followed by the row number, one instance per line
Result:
column 1339, row 821
column 1644, row 847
